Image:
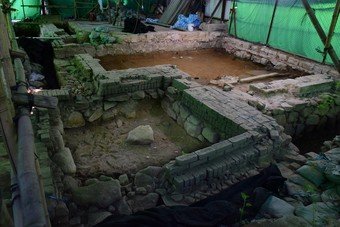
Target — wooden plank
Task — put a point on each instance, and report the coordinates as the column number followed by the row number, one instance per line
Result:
column 259, row 77
column 321, row 33
column 35, row 100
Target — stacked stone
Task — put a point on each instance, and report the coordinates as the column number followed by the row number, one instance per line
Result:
column 268, row 56
column 142, row 43
column 314, row 184
column 300, row 104
column 234, row 120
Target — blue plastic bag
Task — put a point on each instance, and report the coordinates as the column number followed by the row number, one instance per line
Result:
column 183, row 21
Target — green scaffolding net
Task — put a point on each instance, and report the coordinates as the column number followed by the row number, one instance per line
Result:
column 292, row 30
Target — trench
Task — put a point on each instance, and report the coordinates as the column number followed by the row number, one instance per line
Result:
column 203, row 65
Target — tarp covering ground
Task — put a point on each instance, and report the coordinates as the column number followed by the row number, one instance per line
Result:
column 292, row 30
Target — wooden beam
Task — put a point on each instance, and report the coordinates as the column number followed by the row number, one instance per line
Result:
column 35, row 100
column 332, row 28
column 321, row 33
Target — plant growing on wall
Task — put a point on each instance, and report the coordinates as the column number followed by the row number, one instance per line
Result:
column 246, row 204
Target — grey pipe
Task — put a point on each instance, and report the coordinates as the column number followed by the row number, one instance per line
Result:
column 16, row 203
column 30, row 195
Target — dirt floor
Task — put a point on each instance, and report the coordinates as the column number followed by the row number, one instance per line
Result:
column 101, row 148
column 204, row 65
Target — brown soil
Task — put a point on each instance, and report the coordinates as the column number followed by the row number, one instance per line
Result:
column 101, row 148
column 204, row 65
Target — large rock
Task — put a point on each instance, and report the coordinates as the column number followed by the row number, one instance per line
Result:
column 318, row 214
column 312, row 174
column 276, row 207
column 333, row 155
column 96, row 115
column 332, row 173
column 210, row 135
column 97, row 217
column 65, row 161
column 101, row 194
column 141, row 135
column 143, row 180
column 70, row 184
column 75, row 120
column 123, row 208
column 145, row 202
column 153, row 171
column 192, row 129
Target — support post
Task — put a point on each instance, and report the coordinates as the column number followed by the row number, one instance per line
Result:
column 272, row 21
column 224, row 5
column 331, row 29
column 214, row 11
column 321, row 34
column 233, row 18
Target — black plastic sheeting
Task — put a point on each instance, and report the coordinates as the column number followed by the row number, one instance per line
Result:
column 217, row 210
column 42, row 53
column 135, row 26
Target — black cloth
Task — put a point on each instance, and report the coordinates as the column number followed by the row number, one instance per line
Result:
column 220, row 209
column 42, row 53
column 135, row 26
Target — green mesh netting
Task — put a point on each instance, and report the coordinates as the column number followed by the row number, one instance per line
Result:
column 29, row 11
column 292, row 30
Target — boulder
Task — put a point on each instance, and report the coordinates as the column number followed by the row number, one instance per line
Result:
column 333, row 155
column 192, row 129
column 123, row 179
column 57, row 140
column 119, row 98
column 109, row 114
column 101, row 194
column 210, row 135
column 312, row 174
column 123, row 208
column 276, row 208
column 330, row 195
column 145, row 202
column 97, row 217
column 65, row 161
column 138, row 95
column 318, row 214
column 70, row 184
column 74, row 120
column 96, row 115
column 108, row 105
column 332, row 173
column 152, row 171
column 142, row 135
column 143, row 180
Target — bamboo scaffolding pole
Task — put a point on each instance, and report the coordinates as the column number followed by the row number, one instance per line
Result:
column 31, row 195
column 321, row 34
column 332, row 28
column 271, row 22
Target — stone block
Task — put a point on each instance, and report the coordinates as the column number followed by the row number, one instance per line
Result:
column 186, row 159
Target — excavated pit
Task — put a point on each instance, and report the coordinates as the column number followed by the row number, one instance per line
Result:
column 101, row 147
column 203, row 65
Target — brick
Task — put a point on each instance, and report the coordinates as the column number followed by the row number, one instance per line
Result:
column 186, row 159
column 205, row 153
